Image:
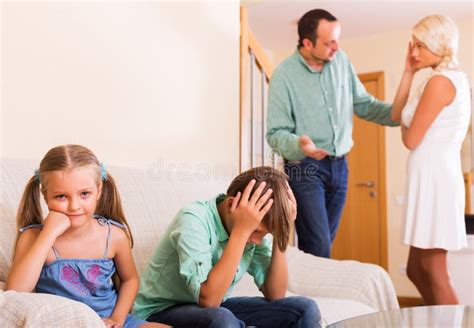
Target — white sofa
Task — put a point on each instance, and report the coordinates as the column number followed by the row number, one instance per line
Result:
column 151, row 198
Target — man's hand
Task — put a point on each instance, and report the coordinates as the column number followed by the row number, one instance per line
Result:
column 310, row 149
column 248, row 212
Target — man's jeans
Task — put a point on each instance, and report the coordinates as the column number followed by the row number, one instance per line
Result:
column 320, row 189
column 244, row 311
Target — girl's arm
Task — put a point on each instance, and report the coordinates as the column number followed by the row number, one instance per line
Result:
column 276, row 281
column 404, row 88
column 128, row 275
column 32, row 250
column 439, row 92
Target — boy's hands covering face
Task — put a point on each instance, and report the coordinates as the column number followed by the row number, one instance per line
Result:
column 247, row 212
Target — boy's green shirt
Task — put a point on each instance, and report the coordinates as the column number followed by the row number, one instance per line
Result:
column 193, row 243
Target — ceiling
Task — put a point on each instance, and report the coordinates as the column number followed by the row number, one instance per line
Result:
column 274, row 21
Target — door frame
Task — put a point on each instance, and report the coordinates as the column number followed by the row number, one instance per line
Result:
column 378, row 77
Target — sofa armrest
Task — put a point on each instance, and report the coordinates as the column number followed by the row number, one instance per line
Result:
column 320, row 277
column 44, row 310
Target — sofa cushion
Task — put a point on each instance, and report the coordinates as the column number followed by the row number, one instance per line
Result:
column 13, row 177
column 36, row 310
column 365, row 283
column 151, row 200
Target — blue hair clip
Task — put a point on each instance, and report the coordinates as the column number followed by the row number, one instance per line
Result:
column 103, row 172
column 37, row 176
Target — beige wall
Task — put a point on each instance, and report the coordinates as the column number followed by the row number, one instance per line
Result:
column 386, row 52
column 143, row 84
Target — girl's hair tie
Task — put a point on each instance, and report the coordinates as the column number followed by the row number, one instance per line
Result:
column 37, row 176
column 103, row 172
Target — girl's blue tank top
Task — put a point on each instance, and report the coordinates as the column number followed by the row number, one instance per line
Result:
column 84, row 280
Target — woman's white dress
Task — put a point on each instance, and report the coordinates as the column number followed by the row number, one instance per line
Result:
column 435, row 196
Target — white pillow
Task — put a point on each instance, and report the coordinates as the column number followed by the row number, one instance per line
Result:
column 44, row 310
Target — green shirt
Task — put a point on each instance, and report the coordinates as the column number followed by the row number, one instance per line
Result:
column 318, row 104
column 193, row 243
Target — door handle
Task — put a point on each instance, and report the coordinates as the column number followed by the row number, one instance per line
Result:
column 367, row 184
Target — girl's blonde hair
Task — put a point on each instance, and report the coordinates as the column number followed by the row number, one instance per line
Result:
column 441, row 36
column 70, row 157
column 278, row 219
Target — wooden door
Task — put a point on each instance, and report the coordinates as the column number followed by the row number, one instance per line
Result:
column 362, row 232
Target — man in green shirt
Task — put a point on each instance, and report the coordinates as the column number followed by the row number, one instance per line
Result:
column 312, row 97
column 210, row 245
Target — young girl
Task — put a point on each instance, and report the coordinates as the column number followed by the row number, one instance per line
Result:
column 434, row 124
column 76, row 250
column 211, row 244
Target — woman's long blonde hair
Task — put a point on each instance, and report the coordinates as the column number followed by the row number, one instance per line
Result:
column 441, row 36
column 70, row 157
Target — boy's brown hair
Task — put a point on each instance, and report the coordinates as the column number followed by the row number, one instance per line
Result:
column 278, row 219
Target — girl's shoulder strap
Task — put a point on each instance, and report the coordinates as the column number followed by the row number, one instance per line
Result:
column 103, row 221
column 36, row 226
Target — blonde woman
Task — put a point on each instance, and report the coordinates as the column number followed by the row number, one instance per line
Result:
column 434, row 123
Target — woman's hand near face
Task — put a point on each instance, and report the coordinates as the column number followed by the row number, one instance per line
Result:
column 410, row 63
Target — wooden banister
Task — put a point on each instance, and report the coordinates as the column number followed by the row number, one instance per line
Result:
column 252, row 104
column 262, row 59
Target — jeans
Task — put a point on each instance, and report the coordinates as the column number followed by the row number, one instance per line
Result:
column 320, row 189
column 244, row 311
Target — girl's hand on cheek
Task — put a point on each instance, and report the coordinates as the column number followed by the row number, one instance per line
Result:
column 56, row 223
